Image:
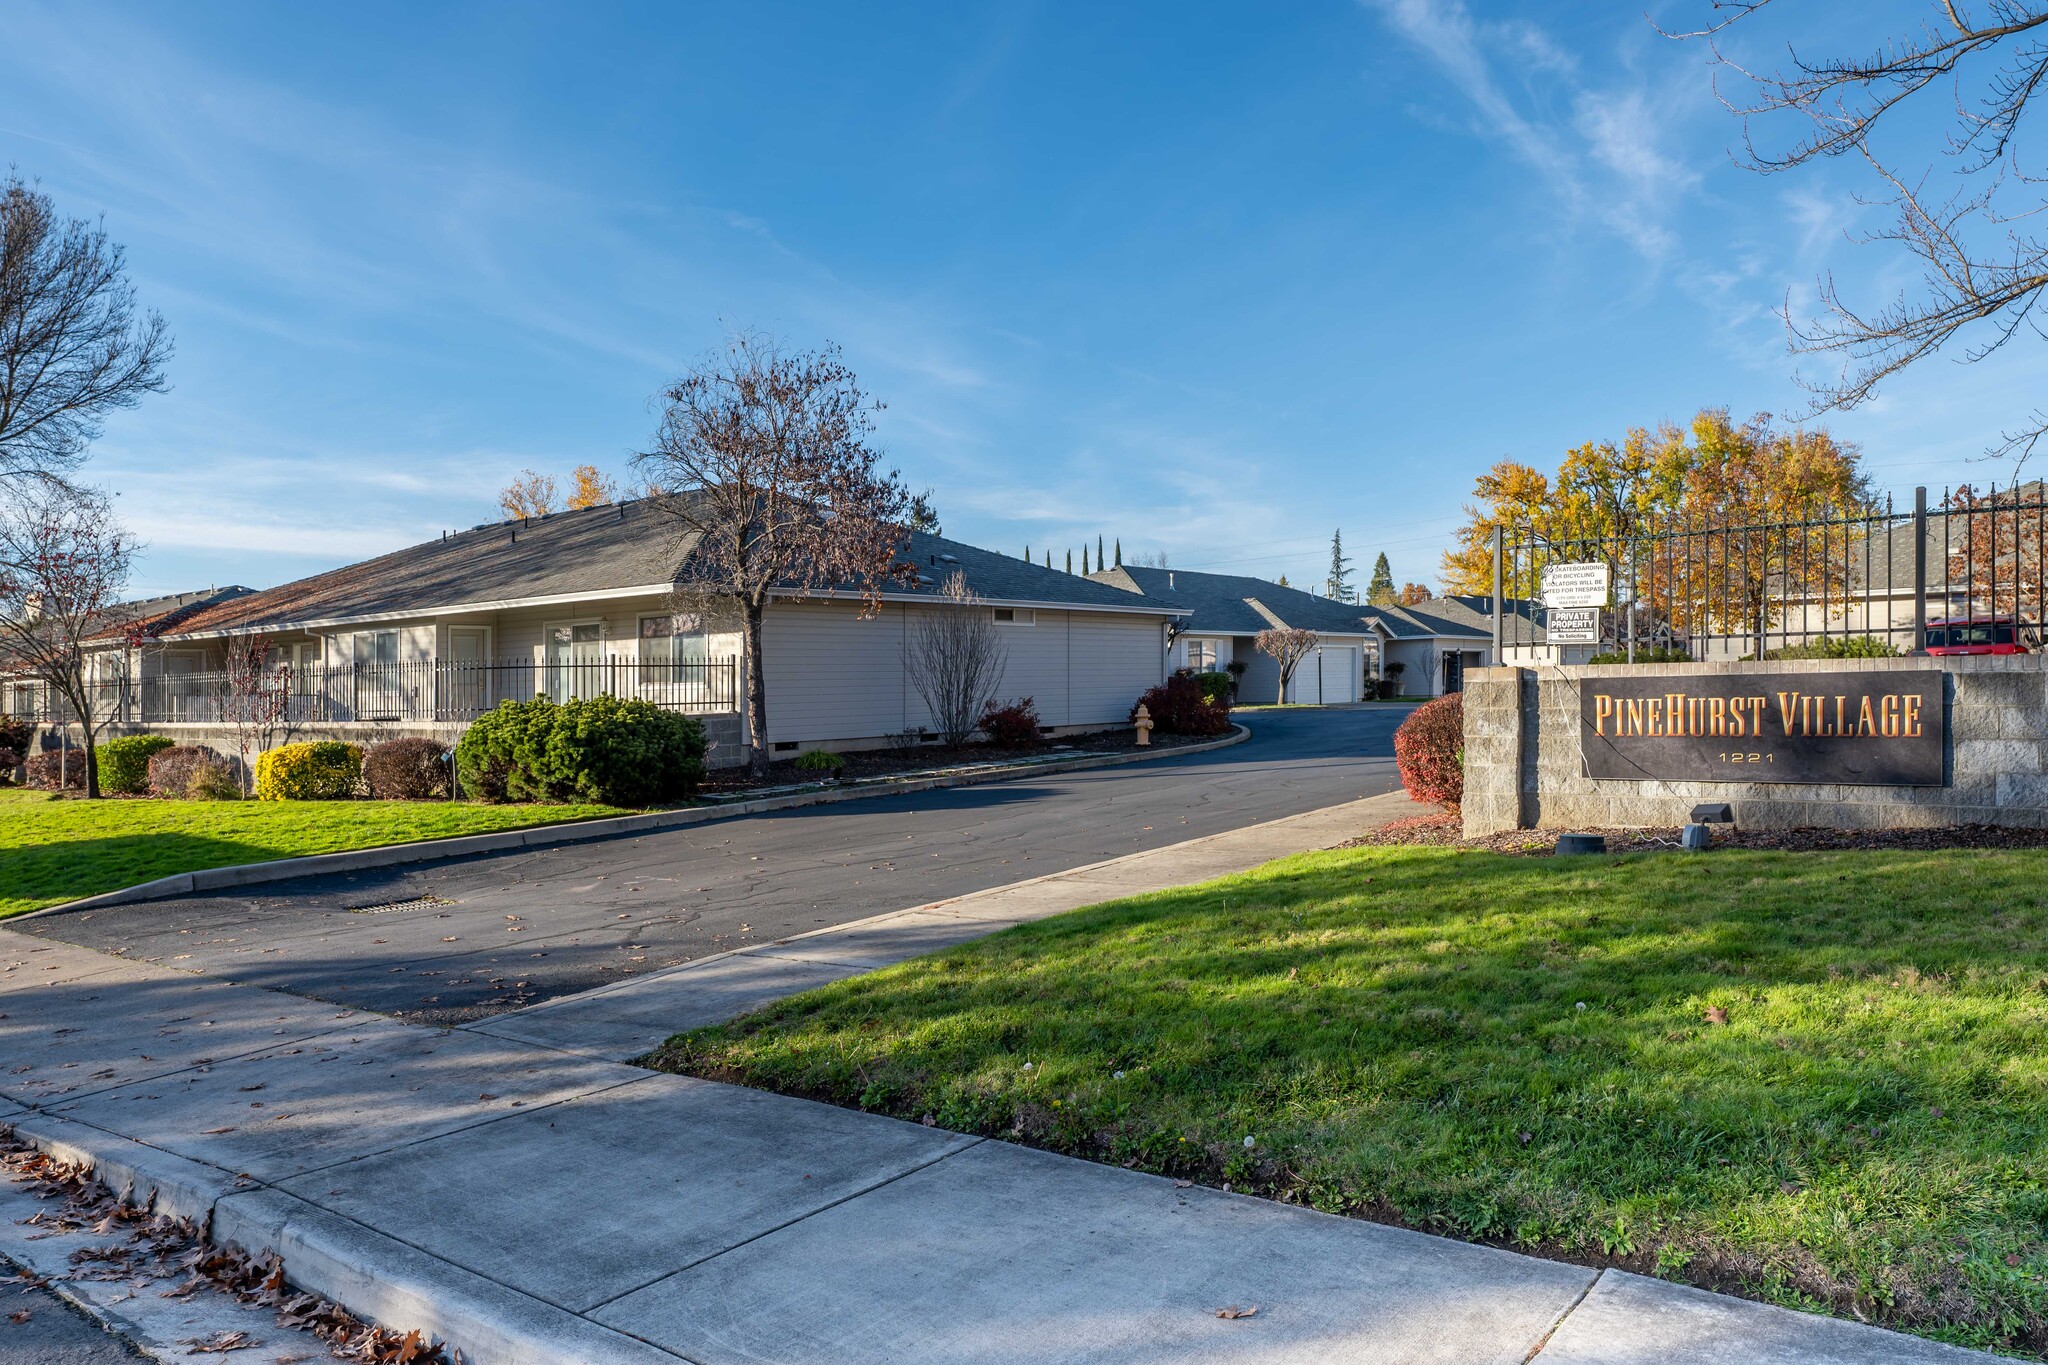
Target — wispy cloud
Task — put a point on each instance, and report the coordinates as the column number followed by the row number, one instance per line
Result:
column 1599, row 149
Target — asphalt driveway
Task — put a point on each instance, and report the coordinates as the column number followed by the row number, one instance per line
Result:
column 459, row 940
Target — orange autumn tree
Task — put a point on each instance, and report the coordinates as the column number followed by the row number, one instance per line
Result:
column 591, row 487
column 1773, row 500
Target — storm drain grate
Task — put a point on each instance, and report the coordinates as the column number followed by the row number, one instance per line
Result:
column 393, row 907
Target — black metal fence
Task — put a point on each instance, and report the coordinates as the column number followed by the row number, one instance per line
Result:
column 1964, row 572
column 422, row 691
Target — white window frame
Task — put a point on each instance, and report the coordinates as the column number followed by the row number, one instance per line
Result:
column 1014, row 616
column 677, row 631
column 1209, row 651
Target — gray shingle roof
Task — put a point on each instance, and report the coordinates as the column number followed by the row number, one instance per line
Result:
column 617, row 547
column 1234, row 604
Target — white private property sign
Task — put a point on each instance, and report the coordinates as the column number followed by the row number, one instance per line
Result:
column 1572, row 626
column 1575, row 585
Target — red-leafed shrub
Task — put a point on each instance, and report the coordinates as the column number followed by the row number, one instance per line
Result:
column 45, row 769
column 1429, row 748
column 410, row 769
column 1179, row 707
column 1011, row 724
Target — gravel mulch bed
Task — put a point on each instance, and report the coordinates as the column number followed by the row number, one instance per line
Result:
column 1443, row 830
column 926, row 757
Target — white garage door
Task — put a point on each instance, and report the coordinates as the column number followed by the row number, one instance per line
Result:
column 1327, row 676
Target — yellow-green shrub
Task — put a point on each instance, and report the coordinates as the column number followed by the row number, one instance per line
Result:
column 325, row 771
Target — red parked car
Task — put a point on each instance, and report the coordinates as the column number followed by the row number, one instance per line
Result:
column 1977, row 635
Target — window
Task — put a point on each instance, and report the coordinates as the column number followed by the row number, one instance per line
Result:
column 672, row 640
column 1014, row 616
column 1201, row 656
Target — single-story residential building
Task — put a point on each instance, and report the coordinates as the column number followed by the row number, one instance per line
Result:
column 1434, row 643
column 582, row 603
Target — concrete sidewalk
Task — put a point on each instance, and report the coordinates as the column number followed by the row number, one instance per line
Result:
column 516, row 1190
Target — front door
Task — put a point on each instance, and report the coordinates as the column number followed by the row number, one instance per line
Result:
column 1454, row 672
column 575, row 660
column 466, row 681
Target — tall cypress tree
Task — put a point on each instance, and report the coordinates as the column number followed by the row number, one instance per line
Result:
column 1119, row 552
column 1084, row 559
column 1070, row 559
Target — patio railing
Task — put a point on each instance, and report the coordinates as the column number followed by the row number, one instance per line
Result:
column 421, row 691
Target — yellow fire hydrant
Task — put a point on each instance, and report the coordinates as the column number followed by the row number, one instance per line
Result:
column 1143, row 720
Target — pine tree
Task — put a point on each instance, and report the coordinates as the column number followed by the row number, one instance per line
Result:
column 1070, row 559
column 1084, row 559
column 1048, row 559
column 1337, row 587
column 1027, row 554
column 1380, row 592
column 1283, row 581
column 1099, row 561
column 1119, row 552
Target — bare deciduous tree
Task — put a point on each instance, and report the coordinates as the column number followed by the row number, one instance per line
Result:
column 955, row 657
column 763, row 464
column 71, row 347
column 253, row 695
column 63, row 562
column 1982, row 269
column 1287, row 646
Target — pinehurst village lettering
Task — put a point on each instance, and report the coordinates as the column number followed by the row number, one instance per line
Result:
column 1882, row 727
column 1679, row 715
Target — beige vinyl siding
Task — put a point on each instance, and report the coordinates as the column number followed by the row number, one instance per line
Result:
column 833, row 676
column 1113, row 659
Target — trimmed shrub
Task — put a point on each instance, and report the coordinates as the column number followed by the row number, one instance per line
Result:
column 124, row 762
column 605, row 749
column 1217, row 686
column 1429, row 749
column 413, row 769
column 1179, row 707
column 819, row 761
column 193, row 772
column 43, row 770
column 1012, row 724
column 328, row 770
column 1644, row 655
column 14, row 737
column 1837, row 647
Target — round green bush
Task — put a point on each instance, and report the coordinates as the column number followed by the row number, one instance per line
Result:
column 604, row 749
column 124, row 762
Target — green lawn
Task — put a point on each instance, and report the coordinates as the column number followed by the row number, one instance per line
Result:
column 1820, row 1079
column 55, row 851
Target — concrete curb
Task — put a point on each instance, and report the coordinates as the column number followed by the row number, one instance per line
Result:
column 583, row 831
column 372, row 1275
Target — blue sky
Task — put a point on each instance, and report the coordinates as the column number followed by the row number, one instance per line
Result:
column 1214, row 279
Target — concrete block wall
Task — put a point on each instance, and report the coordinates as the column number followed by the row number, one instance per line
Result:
column 1524, row 768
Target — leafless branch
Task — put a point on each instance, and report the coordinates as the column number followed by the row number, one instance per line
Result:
column 71, row 347
column 955, row 657
column 1982, row 276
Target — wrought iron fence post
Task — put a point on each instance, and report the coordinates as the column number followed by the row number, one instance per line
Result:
column 1498, row 660
column 1919, row 571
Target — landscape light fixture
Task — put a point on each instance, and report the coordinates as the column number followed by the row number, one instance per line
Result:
column 1696, row 836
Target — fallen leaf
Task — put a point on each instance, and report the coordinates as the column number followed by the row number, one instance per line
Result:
column 220, row 1343
column 214, row 1132
column 18, row 1315
column 1235, row 1312
column 1716, row 1014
